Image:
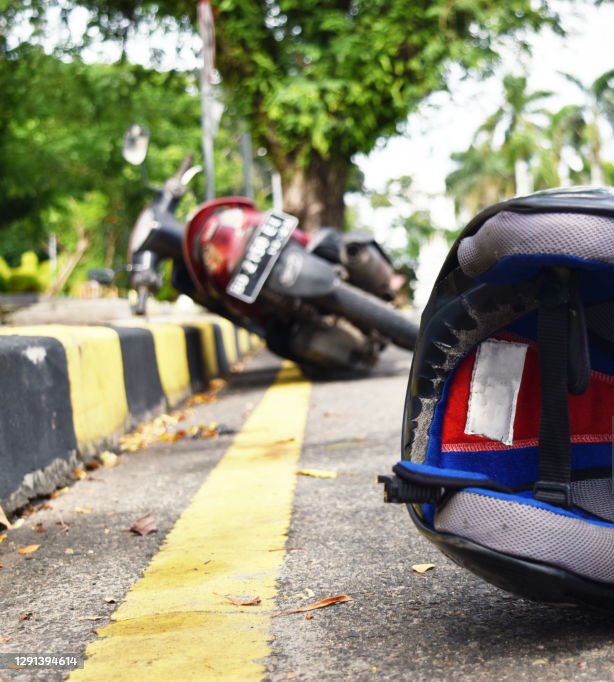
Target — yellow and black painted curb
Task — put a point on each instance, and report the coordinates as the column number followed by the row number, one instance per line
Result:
column 69, row 391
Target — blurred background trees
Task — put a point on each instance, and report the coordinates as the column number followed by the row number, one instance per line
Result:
column 315, row 82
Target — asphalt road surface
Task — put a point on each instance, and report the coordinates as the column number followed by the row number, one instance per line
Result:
column 236, row 523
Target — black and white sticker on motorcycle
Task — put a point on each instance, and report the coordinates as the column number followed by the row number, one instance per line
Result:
column 260, row 256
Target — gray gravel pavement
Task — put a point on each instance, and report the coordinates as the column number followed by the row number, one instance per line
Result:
column 443, row 625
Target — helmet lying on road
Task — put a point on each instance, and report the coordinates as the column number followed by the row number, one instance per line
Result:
column 507, row 449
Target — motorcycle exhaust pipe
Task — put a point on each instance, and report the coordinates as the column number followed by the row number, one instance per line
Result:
column 367, row 268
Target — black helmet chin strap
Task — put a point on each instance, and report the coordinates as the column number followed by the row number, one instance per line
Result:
column 564, row 367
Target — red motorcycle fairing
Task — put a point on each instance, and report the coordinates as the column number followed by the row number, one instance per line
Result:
column 215, row 241
column 196, row 234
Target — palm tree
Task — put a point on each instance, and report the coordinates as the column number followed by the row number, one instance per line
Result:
column 497, row 164
column 598, row 107
column 482, row 178
column 559, row 162
column 516, row 120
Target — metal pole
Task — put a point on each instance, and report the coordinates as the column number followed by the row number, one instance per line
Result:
column 53, row 251
column 207, row 34
column 278, row 198
column 246, row 148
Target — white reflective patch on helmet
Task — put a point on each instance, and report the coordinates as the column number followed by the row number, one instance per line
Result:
column 495, row 383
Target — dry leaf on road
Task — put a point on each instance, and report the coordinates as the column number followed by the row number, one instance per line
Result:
column 25, row 616
column 3, row 537
column 318, row 604
column 79, row 474
column 144, row 526
column 109, row 459
column 29, row 549
column 242, row 600
column 317, row 473
column 422, row 568
column 306, row 594
column 83, row 510
column 201, row 398
column 3, row 519
column 346, row 444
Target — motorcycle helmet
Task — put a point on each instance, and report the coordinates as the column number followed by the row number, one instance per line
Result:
column 507, row 437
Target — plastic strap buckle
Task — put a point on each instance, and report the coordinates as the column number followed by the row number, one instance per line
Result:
column 551, row 492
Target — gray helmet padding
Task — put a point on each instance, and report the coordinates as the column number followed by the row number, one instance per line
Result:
column 582, row 235
column 522, row 530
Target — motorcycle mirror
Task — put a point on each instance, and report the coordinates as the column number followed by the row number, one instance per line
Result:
column 101, row 275
column 189, row 175
column 136, row 144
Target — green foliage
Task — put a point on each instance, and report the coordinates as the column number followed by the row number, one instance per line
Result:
column 30, row 276
column 417, row 226
column 332, row 79
column 61, row 130
column 317, row 80
column 167, row 292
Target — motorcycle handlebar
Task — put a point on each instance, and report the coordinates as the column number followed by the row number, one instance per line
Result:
column 185, row 164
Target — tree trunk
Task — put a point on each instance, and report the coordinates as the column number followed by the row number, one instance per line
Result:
column 314, row 194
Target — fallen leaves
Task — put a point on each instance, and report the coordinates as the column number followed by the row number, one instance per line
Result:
column 4, row 639
column 3, row 537
column 317, row 473
column 201, row 399
column 321, row 604
column 173, row 436
column 108, row 459
column 163, row 430
column 422, row 568
column 29, row 549
column 307, row 594
column 3, row 519
column 144, row 526
column 83, row 510
column 79, row 474
column 242, row 600
column 25, row 616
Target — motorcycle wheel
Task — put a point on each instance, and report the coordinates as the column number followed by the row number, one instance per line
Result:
column 368, row 312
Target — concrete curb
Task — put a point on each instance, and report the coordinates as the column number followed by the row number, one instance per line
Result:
column 70, row 391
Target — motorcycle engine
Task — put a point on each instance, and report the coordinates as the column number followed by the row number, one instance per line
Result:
column 335, row 345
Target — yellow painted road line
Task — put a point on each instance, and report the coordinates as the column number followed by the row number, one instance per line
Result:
column 175, row 623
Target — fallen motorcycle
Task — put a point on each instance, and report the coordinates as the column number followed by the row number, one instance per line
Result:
column 321, row 300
